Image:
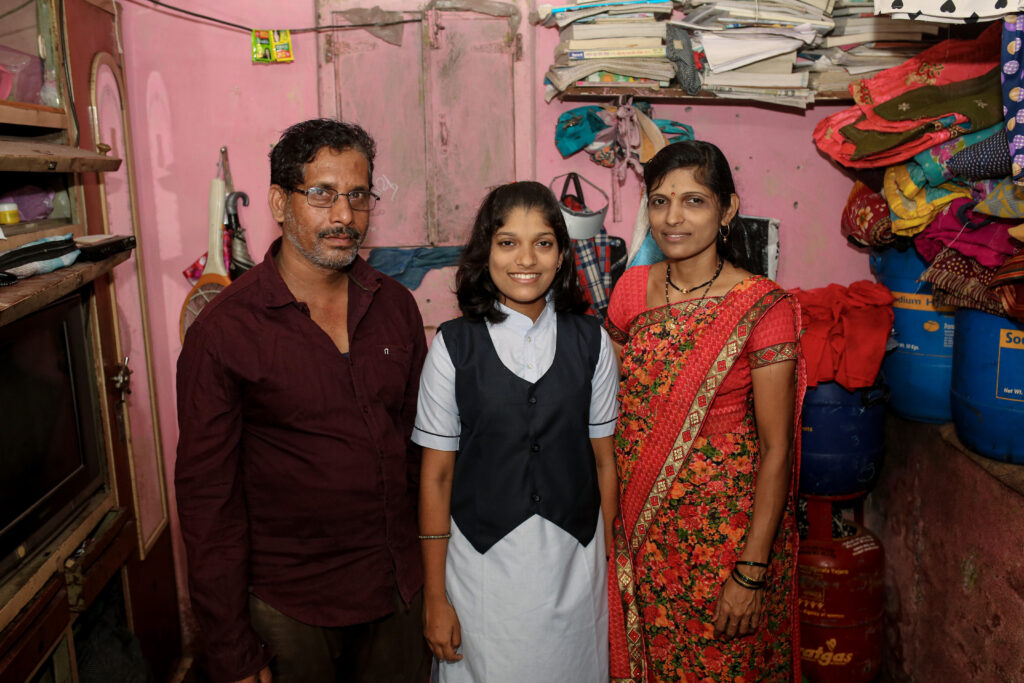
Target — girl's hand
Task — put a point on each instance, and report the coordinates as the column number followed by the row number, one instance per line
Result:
column 442, row 630
column 738, row 611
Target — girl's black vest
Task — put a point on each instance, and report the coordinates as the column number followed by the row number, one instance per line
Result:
column 525, row 448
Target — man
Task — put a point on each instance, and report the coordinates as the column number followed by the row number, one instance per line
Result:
column 296, row 480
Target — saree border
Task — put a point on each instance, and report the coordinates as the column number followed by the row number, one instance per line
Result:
column 674, row 462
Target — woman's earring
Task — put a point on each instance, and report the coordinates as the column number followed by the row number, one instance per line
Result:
column 724, row 231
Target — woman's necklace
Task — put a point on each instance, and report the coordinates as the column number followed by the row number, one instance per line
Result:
column 668, row 281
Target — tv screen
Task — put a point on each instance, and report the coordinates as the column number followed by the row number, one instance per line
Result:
column 51, row 449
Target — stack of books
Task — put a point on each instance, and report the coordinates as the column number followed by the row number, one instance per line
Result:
column 863, row 43
column 777, row 51
column 618, row 42
column 750, row 47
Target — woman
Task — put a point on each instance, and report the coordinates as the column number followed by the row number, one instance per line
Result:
column 704, row 557
column 516, row 414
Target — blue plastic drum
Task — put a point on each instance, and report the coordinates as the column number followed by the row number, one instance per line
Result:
column 988, row 385
column 920, row 369
column 843, row 440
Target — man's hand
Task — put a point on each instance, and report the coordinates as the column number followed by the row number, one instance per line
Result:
column 262, row 677
column 442, row 630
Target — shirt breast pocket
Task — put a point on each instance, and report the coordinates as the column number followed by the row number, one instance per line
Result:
column 389, row 370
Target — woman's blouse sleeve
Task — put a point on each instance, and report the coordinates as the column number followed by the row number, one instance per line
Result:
column 437, row 414
column 774, row 337
column 629, row 298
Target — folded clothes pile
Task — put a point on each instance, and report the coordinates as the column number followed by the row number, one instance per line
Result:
column 845, row 332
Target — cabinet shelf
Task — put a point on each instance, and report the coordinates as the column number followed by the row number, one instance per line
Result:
column 37, row 156
column 37, row 115
column 676, row 93
column 35, row 292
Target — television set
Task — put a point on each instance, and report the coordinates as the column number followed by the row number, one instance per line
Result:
column 52, row 455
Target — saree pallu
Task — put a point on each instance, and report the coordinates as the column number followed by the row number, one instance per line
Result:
column 687, row 499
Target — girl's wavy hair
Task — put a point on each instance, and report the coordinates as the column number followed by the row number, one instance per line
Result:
column 477, row 294
column 711, row 169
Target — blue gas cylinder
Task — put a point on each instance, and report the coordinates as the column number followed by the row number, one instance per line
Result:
column 988, row 385
column 843, row 434
column 918, row 372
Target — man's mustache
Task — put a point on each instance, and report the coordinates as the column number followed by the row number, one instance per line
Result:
column 351, row 233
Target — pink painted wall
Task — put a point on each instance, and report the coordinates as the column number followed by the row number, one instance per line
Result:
column 192, row 88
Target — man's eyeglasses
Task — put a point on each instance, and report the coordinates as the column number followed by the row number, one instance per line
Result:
column 322, row 198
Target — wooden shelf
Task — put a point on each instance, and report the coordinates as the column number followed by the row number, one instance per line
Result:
column 37, row 291
column 34, row 156
column 22, row 233
column 40, row 116
column 676, row 93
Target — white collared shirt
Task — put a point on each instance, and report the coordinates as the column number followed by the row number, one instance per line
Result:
column 525, row 347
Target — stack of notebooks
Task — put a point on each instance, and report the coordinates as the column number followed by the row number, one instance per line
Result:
column 750, row 47
column 777, row 51
column 609, row 43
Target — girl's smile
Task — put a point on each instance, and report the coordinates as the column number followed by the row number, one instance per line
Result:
column 523, row 261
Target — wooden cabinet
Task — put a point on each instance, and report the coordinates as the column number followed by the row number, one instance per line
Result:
column 119, row 532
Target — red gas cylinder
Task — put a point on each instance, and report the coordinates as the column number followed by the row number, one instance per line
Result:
column 841, row 580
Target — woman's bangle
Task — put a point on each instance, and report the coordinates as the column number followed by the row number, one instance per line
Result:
column 751, row 563
column 747, row 582
column 435, row 537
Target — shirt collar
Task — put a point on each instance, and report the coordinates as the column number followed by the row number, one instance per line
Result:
column 276, row 293
column 520, row 323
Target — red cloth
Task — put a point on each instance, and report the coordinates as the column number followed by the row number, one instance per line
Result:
column 982, row 237
column 947, row 62
column 866, row 220
column 295, row 473
column 845, row 332
column 1008, row 285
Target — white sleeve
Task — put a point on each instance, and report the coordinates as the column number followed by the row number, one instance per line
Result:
column 604, row 397
column 437, row 414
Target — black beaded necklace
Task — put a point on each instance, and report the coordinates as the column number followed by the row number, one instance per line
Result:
column 668, row 281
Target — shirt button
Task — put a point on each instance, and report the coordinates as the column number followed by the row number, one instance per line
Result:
column 530, row 365
column 535, row 447
column 532, row 400
column 529, row 338
column 366, row 409
column 535, row 497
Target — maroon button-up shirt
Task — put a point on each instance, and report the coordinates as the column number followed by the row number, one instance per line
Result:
column 295, row 475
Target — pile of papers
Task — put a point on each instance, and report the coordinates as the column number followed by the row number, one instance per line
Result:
column 609, row 44
column 776, row 51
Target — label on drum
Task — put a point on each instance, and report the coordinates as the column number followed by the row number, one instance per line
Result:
column 1010, row 365
column 941, row 324
column 912, row 301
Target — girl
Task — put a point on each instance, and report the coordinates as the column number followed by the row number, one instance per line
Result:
column 516, row 414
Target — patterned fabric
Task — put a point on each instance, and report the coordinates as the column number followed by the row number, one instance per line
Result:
column 1006, row 200
column 960, row 281
column 973, row 234
column 912, row 201
column 934, row 161
column 1012, row 81
column 688, row 456
column 599, row 260
column 987, row 158
column 865, row 220
column 1008, row 285
column 947, row 62
column 946, row 11
column 905, row 117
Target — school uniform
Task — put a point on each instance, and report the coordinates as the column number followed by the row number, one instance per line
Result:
column 518, row 402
